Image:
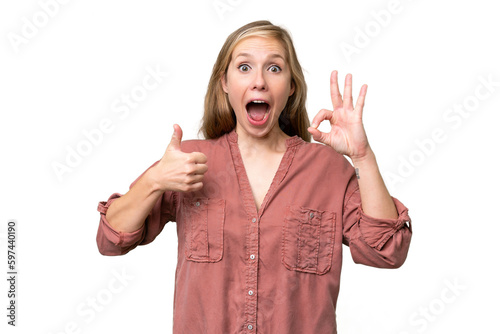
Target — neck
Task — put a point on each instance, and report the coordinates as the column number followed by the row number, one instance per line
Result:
column 272, row 142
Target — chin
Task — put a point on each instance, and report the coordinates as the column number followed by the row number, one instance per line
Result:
column 257, row 132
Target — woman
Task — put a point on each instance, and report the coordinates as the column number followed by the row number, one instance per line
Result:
column 261, row 212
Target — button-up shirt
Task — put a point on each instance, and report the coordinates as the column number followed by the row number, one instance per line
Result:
column 274, row 270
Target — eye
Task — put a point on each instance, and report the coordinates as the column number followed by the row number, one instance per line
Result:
column 244, row 68
column 275, row 69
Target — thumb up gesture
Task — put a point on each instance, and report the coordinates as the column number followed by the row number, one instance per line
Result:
column 180, row 171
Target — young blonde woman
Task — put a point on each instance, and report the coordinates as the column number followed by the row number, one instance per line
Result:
column 261, row 212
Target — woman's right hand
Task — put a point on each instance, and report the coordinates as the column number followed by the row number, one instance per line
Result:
column 177, row 170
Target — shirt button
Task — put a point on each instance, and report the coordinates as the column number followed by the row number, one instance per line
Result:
column 252, row 257
column 250, row 327
column 250, row 292
column 254, row 220
column 311, row 215
column 197, row 204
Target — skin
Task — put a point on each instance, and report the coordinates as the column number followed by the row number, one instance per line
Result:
column 176, row 171
column 261, row 147
column 258, row 71
column 347, row 136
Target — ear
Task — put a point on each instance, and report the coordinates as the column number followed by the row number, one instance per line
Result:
column 292, row 88
column 224, row 82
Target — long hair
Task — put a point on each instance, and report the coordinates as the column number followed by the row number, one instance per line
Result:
column 219, row 118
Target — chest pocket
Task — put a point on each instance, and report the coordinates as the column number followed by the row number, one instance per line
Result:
column 307, row 240
column 204, row 229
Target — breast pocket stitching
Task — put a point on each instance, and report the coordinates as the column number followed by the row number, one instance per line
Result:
column 204, row 231
column 308, row 240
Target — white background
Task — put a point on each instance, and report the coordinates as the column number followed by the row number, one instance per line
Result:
column 426, row 58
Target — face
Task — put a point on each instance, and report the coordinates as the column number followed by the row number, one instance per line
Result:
column 258, row 83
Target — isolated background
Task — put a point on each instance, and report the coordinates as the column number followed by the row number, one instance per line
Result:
column 65, row 79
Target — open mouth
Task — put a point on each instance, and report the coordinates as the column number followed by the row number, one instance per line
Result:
column 257, row 111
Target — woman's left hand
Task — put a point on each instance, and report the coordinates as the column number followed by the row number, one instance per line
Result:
column 347, row 135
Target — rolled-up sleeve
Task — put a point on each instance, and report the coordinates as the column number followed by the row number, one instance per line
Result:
column 376, row 242
column 113, row 242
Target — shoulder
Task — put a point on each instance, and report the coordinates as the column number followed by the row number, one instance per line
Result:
column 319, row 150
column 203, row 145
column 320, row 154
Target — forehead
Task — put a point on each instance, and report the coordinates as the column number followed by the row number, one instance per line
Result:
column 257, row 45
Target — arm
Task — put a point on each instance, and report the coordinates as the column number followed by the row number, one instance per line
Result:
column 176, row 171
column 348, row 137
column 376, row 242
column 128, row 213
column 375, row 198
column 374, row 223
column 123, row 218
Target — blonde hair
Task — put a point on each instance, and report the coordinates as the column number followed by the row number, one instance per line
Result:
column 219, row 118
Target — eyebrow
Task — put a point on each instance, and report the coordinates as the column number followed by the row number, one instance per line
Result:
column 272, row 56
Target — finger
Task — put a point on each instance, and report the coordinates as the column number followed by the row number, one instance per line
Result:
column 334, row 91
column 317, row 135
column 348, row 92
column 191, row 187
column 323, row 114
column 195, row 187
column 193, row 179
column 360, row 102
column 200, row 169
column 175, row 142
column 198, row 158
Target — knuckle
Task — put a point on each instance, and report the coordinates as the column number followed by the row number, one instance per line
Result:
column 184, row 188
column 187, row 180
column 190, row 169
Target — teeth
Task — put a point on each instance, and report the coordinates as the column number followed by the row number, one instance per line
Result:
column 258, row 101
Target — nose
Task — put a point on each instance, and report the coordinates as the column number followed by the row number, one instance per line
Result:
column 259, row 81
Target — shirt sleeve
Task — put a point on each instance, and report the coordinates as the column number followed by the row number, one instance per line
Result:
column 113, row 242
column 376, row 242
